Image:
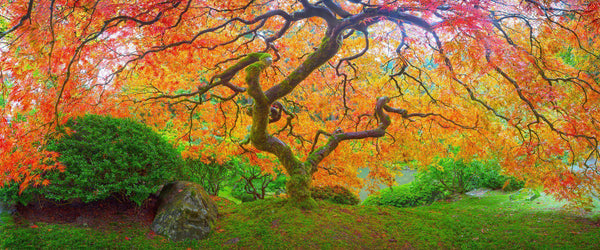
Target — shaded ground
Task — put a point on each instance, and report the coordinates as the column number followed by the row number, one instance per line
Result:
column 109, row 214
column 106, row 214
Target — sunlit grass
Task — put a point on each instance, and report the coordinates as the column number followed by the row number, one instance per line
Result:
column 225, row 192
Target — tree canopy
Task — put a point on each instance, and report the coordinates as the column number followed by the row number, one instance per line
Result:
column 319, row 88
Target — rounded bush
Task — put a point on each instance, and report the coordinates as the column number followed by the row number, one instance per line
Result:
column 493, row 179
column 457, row 176
column 407, row 195
column 104, row 156
column 335, row 194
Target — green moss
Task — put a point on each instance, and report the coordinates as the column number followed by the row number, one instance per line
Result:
column 180, row 215
column 253, row 70
column 298, row 188
column 263, row 60
column 253, row 73
column 244, row 62
column 262, row 56
column 471, row 223
column 305, row 204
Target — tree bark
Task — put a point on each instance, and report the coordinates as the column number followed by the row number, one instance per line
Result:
column 300, row 173
column 298, row 188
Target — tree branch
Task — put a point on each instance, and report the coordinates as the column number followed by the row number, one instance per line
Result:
column 21, row 22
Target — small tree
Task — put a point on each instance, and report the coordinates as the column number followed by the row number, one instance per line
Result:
column 255, row 182
column 211, row 175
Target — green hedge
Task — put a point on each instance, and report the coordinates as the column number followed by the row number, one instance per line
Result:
column 457, row 176
column 335, row 194
column 407, row 195
column 105, row 156
column 452, row 177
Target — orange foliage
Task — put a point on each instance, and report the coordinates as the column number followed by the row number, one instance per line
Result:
column 495, row 80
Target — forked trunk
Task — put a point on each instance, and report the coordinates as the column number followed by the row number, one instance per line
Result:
column 298, row 189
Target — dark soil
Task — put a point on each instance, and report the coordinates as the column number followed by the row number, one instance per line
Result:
column 109, row 213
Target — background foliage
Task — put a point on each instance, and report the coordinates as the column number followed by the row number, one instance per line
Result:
column 211, row 175
column 513, row 79
column 461, row 176
column 448, row 177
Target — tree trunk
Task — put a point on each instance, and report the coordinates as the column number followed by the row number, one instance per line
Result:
column 298, row 188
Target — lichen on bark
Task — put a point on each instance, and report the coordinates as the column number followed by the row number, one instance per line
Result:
column 299, row 172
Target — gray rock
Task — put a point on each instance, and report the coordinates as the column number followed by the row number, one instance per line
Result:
column 7, row 208
column 185, row 211
column 480, row 192
column 525, row 194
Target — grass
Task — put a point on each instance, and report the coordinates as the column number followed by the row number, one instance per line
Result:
column 488, row 222
column 225, row 192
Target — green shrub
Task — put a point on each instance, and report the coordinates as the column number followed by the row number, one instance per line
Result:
column 436, row 183
column 408, row 195
column 240, row 193
column 9, row 193
column 453, row 176
column 211, row 176
column 106, row 156
column 461, row 177
column 335, row 194
column 277, row 186
column 492, row 178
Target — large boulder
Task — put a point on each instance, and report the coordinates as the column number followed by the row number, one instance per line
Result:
column 185, row 211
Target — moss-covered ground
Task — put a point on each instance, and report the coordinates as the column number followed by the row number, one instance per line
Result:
column 493, row 221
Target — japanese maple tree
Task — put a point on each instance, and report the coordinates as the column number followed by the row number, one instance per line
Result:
column 319, row 88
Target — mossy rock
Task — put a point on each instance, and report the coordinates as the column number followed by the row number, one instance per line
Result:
column 185, row 211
